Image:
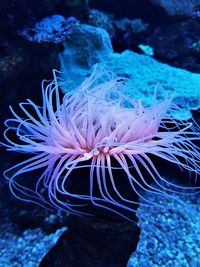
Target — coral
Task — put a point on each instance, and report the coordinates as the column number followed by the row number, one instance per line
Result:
column 15, row 14
column 196, row 47
column 53, row 29
column 146, row 49
column 92, row 128
column 183, row 84
column 89, row 45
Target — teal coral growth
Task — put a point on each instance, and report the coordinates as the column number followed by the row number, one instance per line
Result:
column 143, row 72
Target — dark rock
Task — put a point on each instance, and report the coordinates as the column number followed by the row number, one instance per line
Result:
column 177, row 44
column 102, row 20
column 177, row 7
column 23, row 66
column 129, row 34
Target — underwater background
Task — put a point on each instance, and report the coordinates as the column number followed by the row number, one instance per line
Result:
column 148, row 43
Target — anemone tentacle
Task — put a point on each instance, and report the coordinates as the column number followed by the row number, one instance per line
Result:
column 90, row 127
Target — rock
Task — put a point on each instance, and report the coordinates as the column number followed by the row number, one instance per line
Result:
column 169, row 237
column 86, row 47
column 177, row 44
column 178, row 8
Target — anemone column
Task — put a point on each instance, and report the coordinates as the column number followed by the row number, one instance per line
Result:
column 94, row 241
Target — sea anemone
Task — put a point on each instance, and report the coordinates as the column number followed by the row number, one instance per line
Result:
column 99, row 128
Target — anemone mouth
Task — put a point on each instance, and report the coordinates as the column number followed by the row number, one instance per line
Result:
column 91, row 128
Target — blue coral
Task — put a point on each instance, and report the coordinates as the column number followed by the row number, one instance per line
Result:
column 54, row 29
